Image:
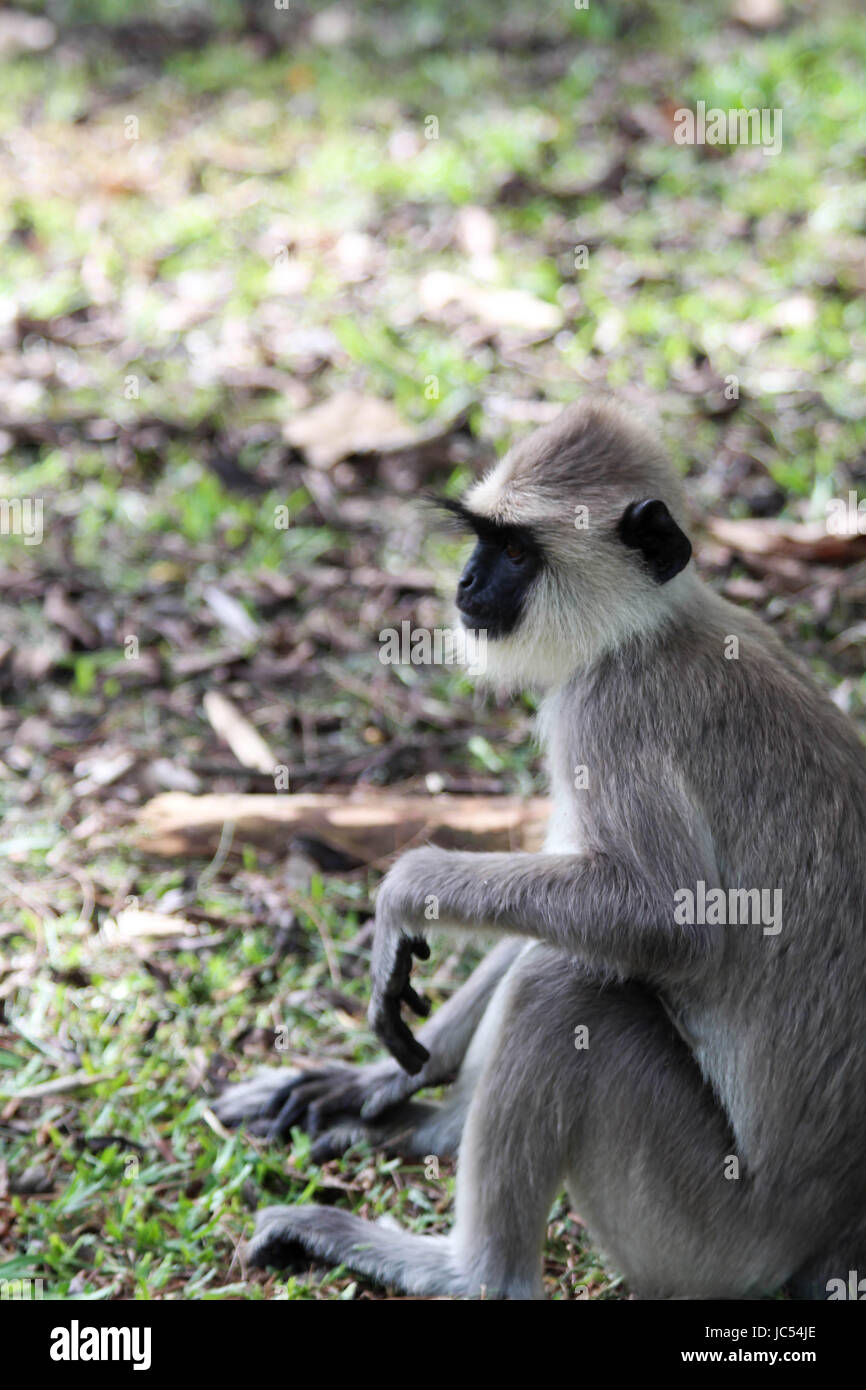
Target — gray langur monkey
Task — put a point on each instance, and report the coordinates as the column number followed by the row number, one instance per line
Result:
column 711, row 1124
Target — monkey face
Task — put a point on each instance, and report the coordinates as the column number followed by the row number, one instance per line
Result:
column 575, row 546
column 497, row 578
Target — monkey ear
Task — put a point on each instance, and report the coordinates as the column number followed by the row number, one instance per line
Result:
column 649, row 527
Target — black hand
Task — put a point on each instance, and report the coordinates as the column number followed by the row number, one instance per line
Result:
column 387, row 1018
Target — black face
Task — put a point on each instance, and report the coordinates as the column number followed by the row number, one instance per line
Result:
column 497, row 576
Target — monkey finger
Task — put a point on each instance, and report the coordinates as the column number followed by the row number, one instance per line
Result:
column 342, row 1100
column 398, row 1038
column 419, row 947
column 412, row 1056
column 417, row 1003
column 408, row 1051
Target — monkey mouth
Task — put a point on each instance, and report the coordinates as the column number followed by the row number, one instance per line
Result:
column 481, row 620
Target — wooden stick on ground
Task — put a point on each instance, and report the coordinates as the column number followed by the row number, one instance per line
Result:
column 369, row 828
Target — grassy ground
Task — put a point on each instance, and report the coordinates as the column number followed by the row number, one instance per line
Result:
column 206, row 231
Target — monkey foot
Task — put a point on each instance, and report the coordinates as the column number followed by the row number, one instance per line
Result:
column 274, row 1099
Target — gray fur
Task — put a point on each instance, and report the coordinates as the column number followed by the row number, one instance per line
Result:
column 705, row 1042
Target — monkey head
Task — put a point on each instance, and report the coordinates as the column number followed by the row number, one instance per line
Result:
column 577, row 545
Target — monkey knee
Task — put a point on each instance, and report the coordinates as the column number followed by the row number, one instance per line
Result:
column 575, row 1027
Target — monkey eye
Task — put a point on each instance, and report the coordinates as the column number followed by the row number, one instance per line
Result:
column 515, row 552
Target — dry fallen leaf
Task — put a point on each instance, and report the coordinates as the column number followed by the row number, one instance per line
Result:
column 60, row 1085
column 345, row 424
column 134, row 922
column 24, row 33
column 476, row 235
column 59, row 610
column 797, row 540
column 230, row 614
column 758, row 14
column 101, row 769
column 236, row 730
column 495, row 308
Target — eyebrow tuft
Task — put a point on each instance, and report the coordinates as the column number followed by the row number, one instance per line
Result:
column 486, row 528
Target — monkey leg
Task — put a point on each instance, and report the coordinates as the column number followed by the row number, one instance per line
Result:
column 515, row 1178
column 274, row 1099
column 416, row 1264
column 626, row 1120
column 629, row 1123
column 652, row 1161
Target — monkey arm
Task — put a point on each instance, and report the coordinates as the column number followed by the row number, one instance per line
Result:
column 610, row 910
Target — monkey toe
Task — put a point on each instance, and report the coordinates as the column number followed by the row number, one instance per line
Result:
column 323, row 1100
column 254, row 1099
column 333, row 1143
column 274, row 1099
column 397, row 1089
column 323, row 1095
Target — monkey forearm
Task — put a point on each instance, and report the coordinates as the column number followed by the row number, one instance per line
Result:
column 584, row 905
column 591, row 906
